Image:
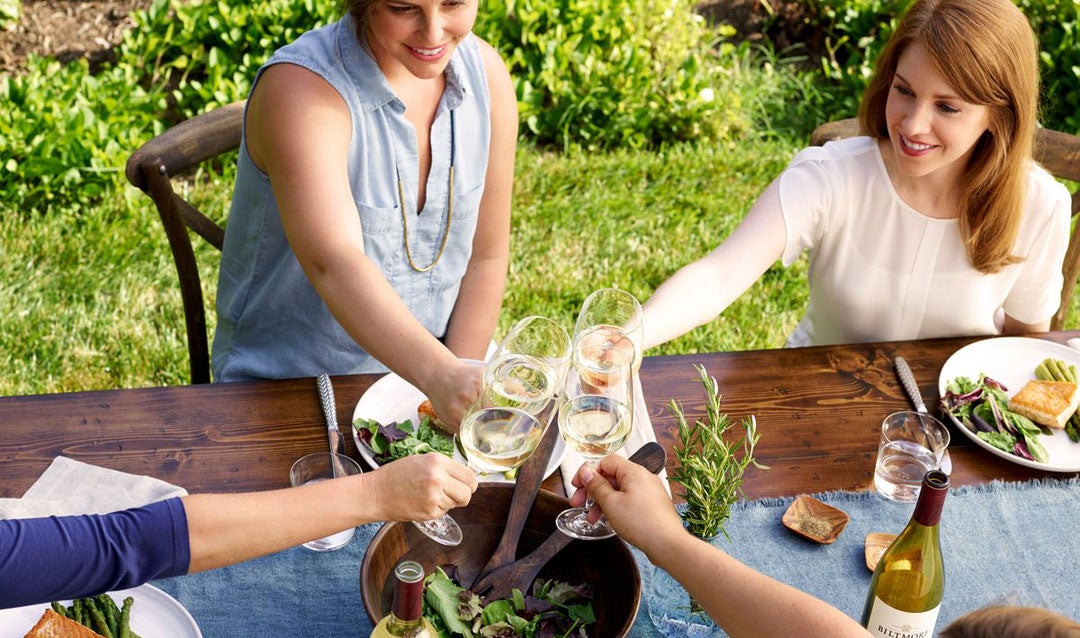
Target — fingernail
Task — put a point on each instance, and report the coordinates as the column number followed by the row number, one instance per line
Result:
column 587, row 475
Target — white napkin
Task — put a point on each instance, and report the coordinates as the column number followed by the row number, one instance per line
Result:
column 640, row 435
column 69, row 487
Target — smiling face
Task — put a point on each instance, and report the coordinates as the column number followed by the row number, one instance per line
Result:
column 418, row 36
column 932, row 132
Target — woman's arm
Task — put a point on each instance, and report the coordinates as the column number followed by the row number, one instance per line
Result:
column 298, row 131
column 745, row 602
column 229, row 528
column 701, row 290
column 476, row 312
column 1014, row 327
column 53, row 558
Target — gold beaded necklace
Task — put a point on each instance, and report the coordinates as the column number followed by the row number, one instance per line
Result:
column 449, row 209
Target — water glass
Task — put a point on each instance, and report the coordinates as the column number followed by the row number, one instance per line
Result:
column 312, row 469
column 912, row 444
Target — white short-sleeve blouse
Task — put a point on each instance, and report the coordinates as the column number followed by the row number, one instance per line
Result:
column 882, row 271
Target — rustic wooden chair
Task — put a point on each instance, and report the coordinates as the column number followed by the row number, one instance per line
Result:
column 1057, row 152
column 151, row 169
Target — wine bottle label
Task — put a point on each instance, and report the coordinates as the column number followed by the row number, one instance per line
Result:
column 889, row 622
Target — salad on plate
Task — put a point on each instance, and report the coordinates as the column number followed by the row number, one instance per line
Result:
column 982, row 406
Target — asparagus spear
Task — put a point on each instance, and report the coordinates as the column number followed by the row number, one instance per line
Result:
column 1055, row 370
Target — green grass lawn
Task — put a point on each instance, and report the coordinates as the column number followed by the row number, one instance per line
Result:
column 91, row 301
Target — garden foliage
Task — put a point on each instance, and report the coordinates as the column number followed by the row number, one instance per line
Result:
column 851, row 33
column 589, row 74
column 610, row 73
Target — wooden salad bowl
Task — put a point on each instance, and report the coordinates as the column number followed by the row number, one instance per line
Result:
column 608, row 565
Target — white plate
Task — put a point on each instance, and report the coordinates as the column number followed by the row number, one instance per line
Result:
column 1012, row 361
column 154, row 614
column 392, row 398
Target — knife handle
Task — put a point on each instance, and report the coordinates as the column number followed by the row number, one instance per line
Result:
column 908, row 380
column 329, row 408
column 326, row 398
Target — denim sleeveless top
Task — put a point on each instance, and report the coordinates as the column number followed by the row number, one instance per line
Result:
column 271, row 321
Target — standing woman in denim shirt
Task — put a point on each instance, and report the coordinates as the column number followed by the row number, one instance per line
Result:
column 370, row 221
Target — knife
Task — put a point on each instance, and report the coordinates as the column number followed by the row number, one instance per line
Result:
column 329, row 408
column 908, row 380
column 903, row 370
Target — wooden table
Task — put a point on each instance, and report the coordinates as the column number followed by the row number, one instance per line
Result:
column 818, row 410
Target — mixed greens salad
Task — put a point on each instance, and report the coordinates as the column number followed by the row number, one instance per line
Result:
column 553, row 609
column 983, row 408
column 397, row 440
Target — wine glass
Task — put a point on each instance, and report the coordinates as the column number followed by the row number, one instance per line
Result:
column 527, row 367
column 595, row 419
column 521, row 379
column 612, row 317
column 494, row 439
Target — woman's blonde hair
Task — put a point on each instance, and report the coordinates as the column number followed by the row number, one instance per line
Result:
column 1007, row 621
column 987, row 52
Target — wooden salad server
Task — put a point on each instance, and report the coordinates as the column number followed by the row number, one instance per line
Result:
column 527, row 483
column 500, row 582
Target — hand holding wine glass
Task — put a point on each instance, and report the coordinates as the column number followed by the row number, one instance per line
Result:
column 595, row 419
column 505, row 424
column 494, row 439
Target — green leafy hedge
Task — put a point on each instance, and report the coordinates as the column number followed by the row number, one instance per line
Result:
column 207, row 51
column 590, row 74
column 609, row 73
column 853, row 32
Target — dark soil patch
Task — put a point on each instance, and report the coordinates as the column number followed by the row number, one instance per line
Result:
column 66, row 30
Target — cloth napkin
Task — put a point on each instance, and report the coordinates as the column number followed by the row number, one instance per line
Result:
column 641, row 434
column 69, row 487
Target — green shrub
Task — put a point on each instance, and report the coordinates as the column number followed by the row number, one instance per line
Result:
column 1057, row 23
column 609, row 73
column 207, row 51
column 10, row 10
column 853, row 32
column 67, row 132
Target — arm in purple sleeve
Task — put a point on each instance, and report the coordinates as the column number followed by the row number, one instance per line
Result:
column 45, row 559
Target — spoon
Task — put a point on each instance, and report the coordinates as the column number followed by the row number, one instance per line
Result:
column 519, row 574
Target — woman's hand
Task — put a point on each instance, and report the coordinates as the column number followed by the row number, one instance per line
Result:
column 454, row 390
column 634, row 502
column 419, row 487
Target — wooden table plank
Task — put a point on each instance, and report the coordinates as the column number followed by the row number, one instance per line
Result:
column 818, row 410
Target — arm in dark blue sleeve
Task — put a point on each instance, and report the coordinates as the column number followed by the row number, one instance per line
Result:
column 46, row 559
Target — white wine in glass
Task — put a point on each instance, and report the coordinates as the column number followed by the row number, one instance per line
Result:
column 519, row 381
column 594, row 425
column 608, row 316
column 499, row 439
column 596, row 420
column 495, row 440
column 595, row 355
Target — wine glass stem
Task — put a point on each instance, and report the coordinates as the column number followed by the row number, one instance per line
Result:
column 589, row 501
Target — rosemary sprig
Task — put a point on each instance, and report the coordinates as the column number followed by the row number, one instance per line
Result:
column 710, row 468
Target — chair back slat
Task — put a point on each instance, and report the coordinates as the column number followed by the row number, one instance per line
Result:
column 151, row 168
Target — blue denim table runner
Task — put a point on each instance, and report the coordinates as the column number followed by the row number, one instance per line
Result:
column 1003, row 543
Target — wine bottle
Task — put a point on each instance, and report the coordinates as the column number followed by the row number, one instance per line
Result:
column 908, row 583
column 405, row 619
